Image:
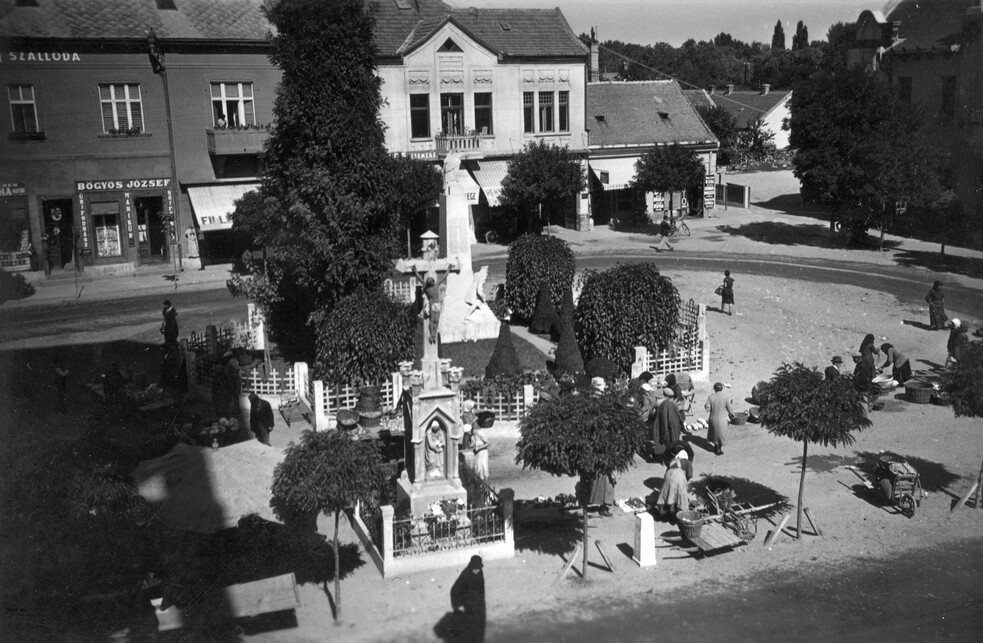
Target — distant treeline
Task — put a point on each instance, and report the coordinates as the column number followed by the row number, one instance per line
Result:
column 728, row 61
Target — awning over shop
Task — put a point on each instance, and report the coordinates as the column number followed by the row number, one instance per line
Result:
column 212, row 204
column 471, row 187
column 490, row 175
column 614, row 174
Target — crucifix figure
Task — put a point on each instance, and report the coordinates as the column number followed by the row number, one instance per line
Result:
column 433, row 294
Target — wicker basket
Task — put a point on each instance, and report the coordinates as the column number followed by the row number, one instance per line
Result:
column 739, row 418
column 918, row 392
column 690, row 523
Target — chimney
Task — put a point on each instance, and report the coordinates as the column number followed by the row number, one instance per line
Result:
column 712, row 90
column 730, row 90
column 765, row 88
column 594, row 73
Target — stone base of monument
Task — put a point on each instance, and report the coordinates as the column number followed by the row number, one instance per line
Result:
column 460, row 321
column 418, row 501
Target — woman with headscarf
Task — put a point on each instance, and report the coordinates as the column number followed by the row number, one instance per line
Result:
column 936, row 307
column 901, row 370
column 668, row 420
column 718, row 404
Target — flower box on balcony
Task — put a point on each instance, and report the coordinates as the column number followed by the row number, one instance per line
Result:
column 226, row 142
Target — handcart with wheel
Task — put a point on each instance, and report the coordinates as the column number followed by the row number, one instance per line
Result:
column 900, row 483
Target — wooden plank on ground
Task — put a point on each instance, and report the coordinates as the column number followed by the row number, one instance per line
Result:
column 778, row 530
column 566, row 568
column 607, row 561
column 812, row 523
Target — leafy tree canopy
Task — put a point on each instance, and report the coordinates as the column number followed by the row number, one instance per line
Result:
column 535, row 260
column 329, row 229
column 623, row 307
column 964, row 382
column 778, row 38
column 670, row 168
column 542, row 173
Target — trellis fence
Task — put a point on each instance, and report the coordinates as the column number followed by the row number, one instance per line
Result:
column 689, row 354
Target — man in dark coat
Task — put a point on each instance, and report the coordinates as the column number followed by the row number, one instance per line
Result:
column 468, row 602
column 833, row 370
column 668, row 420
column 260, row 418
column 168, row 327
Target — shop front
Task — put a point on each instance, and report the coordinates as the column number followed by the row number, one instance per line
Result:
column 17, row 252
column 125, row 221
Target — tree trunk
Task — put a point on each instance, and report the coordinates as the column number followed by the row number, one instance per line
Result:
column 802, row 488
column 586, row 540
column 337, row 572
column 882, row 237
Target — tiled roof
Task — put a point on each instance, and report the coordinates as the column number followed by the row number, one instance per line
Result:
column 629, row 114
column 929, row 24
column 745, row 106
column 124, row 19
column 698, row 97
column 512, row 32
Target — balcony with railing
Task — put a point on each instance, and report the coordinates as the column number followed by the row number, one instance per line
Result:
column 465, row 144
column 233, row 141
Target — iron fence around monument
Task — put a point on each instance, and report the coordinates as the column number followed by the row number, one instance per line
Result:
column 468, row 528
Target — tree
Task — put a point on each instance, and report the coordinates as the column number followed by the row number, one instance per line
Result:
column 754, row 141
column 723, row 126
column 807, row 408
column 535, row 260
column 623, row 307
column 860, row 149
column 541, row 174
column 328, row 472
column 963, row 386
column 567, row 359
column 416, row 189
column 328, row 229
column 670, row 168
column 580, row 435
column 778, row 38
column 504, row 360
column 801, row 38
column 363, row 337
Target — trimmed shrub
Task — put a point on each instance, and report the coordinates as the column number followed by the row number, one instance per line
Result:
column 14, row 286
column 545, row 318
column 624, row 307
column 603, row 367
column 568, row 358
column 504, row 360
column 565, row 317
column 363, row 338
column 535, row 260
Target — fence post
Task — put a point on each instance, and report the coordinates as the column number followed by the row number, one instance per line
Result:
column 640, row 365
column 528, row 398
column 387, row 544
column 704, row 343
column 508, row 506
column 320, row 407
column 211, row 340
column 190, row 363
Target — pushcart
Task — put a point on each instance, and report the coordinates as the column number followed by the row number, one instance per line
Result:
column 900, row 483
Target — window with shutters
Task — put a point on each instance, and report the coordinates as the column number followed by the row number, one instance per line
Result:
column 23, row 112
column 233, row 104
column 122, row 109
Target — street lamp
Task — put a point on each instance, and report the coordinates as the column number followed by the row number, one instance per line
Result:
column 156, row 54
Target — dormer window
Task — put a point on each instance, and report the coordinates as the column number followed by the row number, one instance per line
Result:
column 505, row 26
column 449, row 46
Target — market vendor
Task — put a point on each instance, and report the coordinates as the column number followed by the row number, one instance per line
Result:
column 673, row 496
column 901, row 371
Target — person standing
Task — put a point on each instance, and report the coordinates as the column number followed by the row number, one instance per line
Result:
column 673, row 496
column 901, row 370
column 936, row 307
column 718, row 404
column 958, row 340
column 668, row 420
column 480, row 441
column 260, row 418
column 833, row 370
column 863, row 375
column 168, row 328
column 61, row 385
column 468, row 602
column 727, row 293
column 665, row 231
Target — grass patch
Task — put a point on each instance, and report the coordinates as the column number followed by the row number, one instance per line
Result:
column 474, row 356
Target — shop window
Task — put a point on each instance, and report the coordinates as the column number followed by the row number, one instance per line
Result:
column 106, row 225
column 528, row 112
column 233, row 103
column 420, row 115
column 23, row 112
column 122, row 109
column 545, row 111
column 564, row 111
column 483, row 113
column 452, row 114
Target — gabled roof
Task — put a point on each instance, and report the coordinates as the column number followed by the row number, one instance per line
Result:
column 745, row 105
column 698, row 97
column 642, row 113
column 127, row 19
column 929, row 24
column 509, row 32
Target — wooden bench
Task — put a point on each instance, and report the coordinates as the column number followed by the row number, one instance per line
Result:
column 274, row 594
column 714, row 537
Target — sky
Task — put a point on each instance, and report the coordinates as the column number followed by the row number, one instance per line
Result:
column 675, row 21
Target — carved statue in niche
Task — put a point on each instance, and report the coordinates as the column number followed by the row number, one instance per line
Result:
column 434, row 455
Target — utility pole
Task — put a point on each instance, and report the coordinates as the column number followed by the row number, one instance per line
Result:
column 156, row 54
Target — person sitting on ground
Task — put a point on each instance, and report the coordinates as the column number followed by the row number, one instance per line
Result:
column 833, row 370
column 958, row 340
column 901, row 371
